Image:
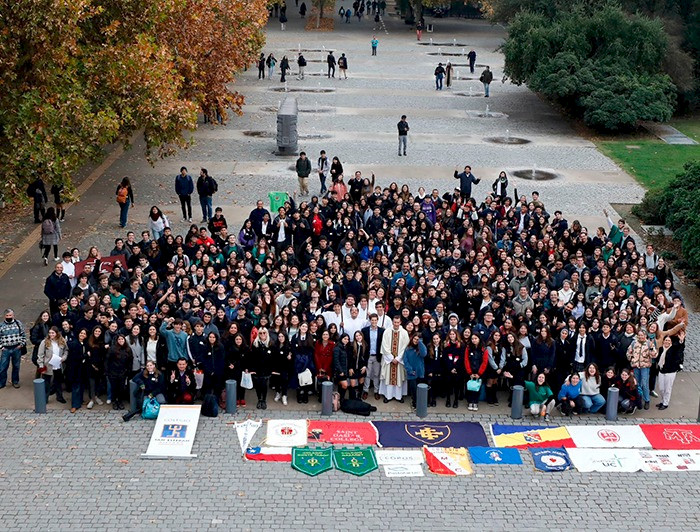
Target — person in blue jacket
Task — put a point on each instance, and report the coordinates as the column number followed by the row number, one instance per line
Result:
column 570, row 399
column 414, row 362
column 184, row 187
column 466, row 180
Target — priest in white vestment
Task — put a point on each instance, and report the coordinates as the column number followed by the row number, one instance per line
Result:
column 393, row 383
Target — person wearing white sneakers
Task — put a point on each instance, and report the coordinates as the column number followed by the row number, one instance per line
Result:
column 50, row 235
column 281, row 366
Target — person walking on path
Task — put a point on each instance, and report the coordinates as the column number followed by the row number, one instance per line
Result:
column 343, row 66
column 486, row 78
column 466, row 180
column 348, row 14
column 323, row 168
column 419, row 29
column 303, row 168
column 375, row 43
column 284, row 68
column 330, row 60
column 184, row 187
column 125, row 198
column 403, row 134
column 302, row 9
column 439, row 74
column 471, row 56
column 37, row 191
column 271, row 62
column 448, row 74
column 261, row 66
column 13, row 341
column 283, row 21
column 302, row 65
column 57, row 190
column 50, row 235
column 206, row 188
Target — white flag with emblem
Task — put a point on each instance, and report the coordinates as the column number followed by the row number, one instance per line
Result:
column 246, row 430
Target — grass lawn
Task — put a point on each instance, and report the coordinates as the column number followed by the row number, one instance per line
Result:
column 651, row 161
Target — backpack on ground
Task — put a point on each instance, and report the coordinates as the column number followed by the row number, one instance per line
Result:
column 210, row 406
column 122, row 194
column 47, row 227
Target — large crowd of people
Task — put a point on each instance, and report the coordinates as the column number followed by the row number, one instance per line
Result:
column 374, row 289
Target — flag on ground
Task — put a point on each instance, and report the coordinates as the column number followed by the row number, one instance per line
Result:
column 608, row 436
column 357, row 461
column 399, row 456
column 432, row 434
column 679, row 437
column 405, row 470
column 657, row 461
column 286, row 432
column 550, row 459
column 606, row 460
column 312, row 461
column 523, row 436
column 246, row 430
column 342, row 432
column 495, row 455
column 269, row 454
column 448, row 460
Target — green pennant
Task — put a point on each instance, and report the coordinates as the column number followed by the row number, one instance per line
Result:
column 312, row 461
column 357, row 461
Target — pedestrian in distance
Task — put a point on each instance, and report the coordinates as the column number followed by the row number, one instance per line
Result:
column 303, row 169
column 271, row 61
column 261, row 66
column 341, row 12
column 206, row 188
column 323, row 167
column 348, row 14
column 471, row 56
column 403, row 134
column 125, row 199
column 283, row 21
column 57, row 190
column 284, row 68
column 486, row 78
column 302, row 9
column 50, row 235
column 330, row 60
column 439, row 75
column 301, row 62
column 184, row 187
column 37, row 192
column 343, row 66
column 419, row 29
column 375, row 43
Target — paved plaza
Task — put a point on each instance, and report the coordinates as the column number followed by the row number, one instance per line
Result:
column 83, row 472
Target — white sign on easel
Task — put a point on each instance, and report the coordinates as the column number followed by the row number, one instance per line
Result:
column 173, row 434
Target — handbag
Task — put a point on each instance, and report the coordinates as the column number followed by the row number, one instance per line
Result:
column 474, row 385
column 199, row 378
column 305, row 377
column 150, row 408
column 246, row 381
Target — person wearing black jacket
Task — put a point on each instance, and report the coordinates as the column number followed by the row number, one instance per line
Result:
column 466, row 179
column 403, row 134
column 57, row 287
column 303, row 169
column 197, row 349
column 261, row 66
column 670, row 360
column 37, row 192
column 37, row 333
column 236, row 350
column 181, row 384
column 96, row 355
column 206, row 188
column 373, row 339
column 453, row 369
column 118, row 367
column 284, row 68
column 280, row 367
column 340, row 364
column 151, row 383
column 331, row 64
column 301, row 62
column 358, row 356
column 76, row 368
column 259, row 366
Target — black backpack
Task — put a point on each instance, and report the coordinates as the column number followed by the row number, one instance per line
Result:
column 210, row 406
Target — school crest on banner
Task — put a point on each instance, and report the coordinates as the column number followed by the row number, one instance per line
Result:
column 357, row 461
column 312, row 461
column 429, row 434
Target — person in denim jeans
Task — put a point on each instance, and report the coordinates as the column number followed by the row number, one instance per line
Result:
column 640, row 354
column 206, row 187
column 12, row 341
column 591, row 397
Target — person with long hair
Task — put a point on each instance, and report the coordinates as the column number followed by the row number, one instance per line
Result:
column 303, row 352
column 37, row 333
column 96, row 355
column 640, row 354
column 494, row 370
column 629, row 399
column 414, row 362
column 76, row 368
column 323, row 360
column 593, row 401
column 237, row 352
column 259, row 366
column 117, row 366
column 157, row 222
column 453, row 367
column 125, row 199
column 475, row 363
column 50, row 235
column 671, row 357
column 570, row 398
column 340, row 364
column 53, row 352
column 280, row 367
column 541, row 400
column 516, row 362
column 357, row 364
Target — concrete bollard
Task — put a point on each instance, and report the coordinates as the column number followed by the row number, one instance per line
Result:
column 422, row 400
column 134, row 405
column 39, row 396
column 516, row 409
column 326, row 398
column 231, row 390
column 611, row 405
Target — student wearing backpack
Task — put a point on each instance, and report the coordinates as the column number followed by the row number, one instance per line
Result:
column 206, row 188
column 343, row 66
column 50, row 235
column 125, row 198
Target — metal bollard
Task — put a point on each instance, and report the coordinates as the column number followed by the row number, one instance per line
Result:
column 422, row 400
column 611, row 405
column 134, row 405
column 326, row 398
column 516, row 409
column 231, row 390
column 39, row 396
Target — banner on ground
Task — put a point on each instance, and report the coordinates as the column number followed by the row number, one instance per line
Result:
column 399, row 470
column 523, row 436
column 495, row 455
column 657, row 461
column 173, row 434
column 551, row 459
column 357, row 461
column 678, row 437
column 399, row 456
column 246, row 430
column 269, row 454
column 432, row 434
column 448, row 460
column 312, row 461
column 606, row 460
column 608, row 436
column 342, row 432
column 286, row 432
column 106, row 264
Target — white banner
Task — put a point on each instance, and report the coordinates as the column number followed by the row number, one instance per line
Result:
column 399, row 457
column 605, row 460
column 405, row 470
column 246, row 430
column 286, row 432
column 174, row 432
column 608, row 436
column 656, row 461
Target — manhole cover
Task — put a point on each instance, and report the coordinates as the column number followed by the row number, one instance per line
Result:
column 300, row 89
column 535, row 175
column 507, row 140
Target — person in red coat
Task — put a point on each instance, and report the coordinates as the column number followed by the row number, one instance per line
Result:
column 323, row 360
column 476, row 360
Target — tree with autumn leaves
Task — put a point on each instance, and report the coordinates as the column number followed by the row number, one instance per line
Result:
column 78, row 75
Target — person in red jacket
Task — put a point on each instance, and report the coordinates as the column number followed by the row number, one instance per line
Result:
column 323, row 360
column 476, row 359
